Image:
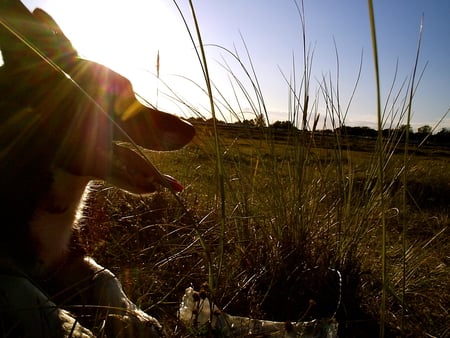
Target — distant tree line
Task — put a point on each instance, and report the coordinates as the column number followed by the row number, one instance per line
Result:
column 441, row 137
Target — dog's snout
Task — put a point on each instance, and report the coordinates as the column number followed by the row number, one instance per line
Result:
column 156, row 130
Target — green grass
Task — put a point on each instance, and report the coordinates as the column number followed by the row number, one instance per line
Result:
column 279, row 240
column 268, row 217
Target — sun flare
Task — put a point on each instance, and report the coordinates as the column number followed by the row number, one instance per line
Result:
column 125, row 34
column 128, row 37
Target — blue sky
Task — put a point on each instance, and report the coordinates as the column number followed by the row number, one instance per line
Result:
column 127, row 36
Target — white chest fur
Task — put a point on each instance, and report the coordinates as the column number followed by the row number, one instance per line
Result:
column 51, row 227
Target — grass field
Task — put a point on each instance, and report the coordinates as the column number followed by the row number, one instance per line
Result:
column 293, row 225
column 293, row 214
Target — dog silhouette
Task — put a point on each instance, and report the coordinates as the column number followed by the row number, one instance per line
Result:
column 65, row 121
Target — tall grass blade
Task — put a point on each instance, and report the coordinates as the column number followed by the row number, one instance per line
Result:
column 219, row 163
column 405, row 176
column 380, row 179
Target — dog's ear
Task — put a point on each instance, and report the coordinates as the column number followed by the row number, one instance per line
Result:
column 27, row 34
column 47, row 20
column 60, row 42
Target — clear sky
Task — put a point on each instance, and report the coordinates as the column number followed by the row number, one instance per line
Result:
column 127, row 35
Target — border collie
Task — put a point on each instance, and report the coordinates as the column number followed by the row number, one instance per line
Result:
column 65, row 121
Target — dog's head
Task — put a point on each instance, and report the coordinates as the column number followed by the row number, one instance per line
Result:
column 58, row 110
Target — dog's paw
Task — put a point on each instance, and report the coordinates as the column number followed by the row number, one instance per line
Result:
column 133, row 325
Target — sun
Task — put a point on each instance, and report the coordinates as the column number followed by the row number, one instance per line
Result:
column 131, row 36
column 120, row 33
column 128, row 36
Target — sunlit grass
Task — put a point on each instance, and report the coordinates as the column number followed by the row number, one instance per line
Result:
column 272, row 240
column 268, row 216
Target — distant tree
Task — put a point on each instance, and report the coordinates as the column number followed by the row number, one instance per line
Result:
column 358, row 131
column 366, row 131
column 444, row 131
column 443, row 136
column 248, row 123
column 211, row 121
column 282, row 125
column 260, row 121
column 426, row 129
column 403, row 128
